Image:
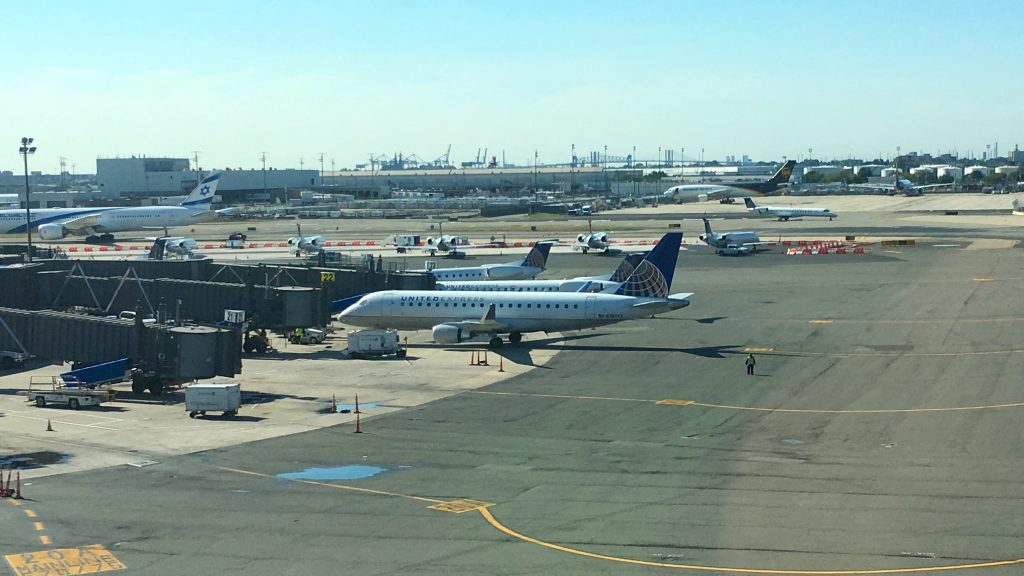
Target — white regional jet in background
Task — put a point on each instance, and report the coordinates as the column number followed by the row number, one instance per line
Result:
column 582, row 284
column 716, row 240
column 459, row 316
column 784, row 213
column 310, row 244
column 529, row 267
column 444, row 243
column 176, row 245
column 99, row 223
column 591, row 240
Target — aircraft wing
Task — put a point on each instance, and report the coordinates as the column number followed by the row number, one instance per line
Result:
column 486, row 323
column 82, row 223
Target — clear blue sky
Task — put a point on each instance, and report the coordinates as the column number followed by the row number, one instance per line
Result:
column 294, row 79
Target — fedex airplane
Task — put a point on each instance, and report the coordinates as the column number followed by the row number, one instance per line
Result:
column 581, row 284
column 784, row 213
column 529, row 267
column 459, row 316
column 99, row 223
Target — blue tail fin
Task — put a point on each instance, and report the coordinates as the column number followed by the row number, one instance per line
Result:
column 653, row 276
column 750, row 203
column 626, row 267
column 538, row 256
column 202, row 195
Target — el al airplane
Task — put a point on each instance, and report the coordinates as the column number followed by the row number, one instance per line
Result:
column 529, row 267
column 460, row 316
column 99, row 223
column 701, row 192
column 587, row 284
column 784, row 213
column 716, row 240
column 310, row 244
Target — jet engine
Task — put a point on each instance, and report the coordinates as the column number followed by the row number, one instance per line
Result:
column 52, row 231
column 448, row 334
column 181, row 246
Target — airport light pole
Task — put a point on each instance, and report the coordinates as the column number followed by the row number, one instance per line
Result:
column 321, row 169
column 263, row 158
column 26, row 149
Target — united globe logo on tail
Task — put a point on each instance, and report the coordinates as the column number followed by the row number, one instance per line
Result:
column 653, row 275
column 538, row 256
column 626, row 268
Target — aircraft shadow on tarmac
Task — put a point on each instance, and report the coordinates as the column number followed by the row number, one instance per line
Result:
column 520, row 353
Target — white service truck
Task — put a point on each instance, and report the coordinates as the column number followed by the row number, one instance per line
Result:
column 203, row 398
column 369, row 343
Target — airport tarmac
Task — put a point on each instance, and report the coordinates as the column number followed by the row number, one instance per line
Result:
column 879, row 432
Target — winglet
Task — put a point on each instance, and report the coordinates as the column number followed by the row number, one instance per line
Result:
column 749, row 203
column 202, row 195
column 538, row 256
column 653, row 276
column 489, row 316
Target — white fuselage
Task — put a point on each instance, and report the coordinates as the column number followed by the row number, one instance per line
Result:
column 572, row 285
column 489, row 272
column 783, row 213
column 135, row 218
column 735, row 238
column 698, row 192
column 514, row 311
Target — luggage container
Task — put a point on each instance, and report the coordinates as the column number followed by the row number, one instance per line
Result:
column 203, row 398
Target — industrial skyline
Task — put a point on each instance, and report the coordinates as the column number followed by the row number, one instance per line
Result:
column 717, row 79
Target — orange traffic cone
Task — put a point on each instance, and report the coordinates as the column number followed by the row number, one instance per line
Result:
column 49, row 428
column 358, row 429
column 17, row 493
column 334, row 403
column 501, row 363
column 483, row 362
column 357, row 405
column 472, row 358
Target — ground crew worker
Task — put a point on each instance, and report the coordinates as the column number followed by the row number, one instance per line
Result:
column 298, row 334
column 750, row 363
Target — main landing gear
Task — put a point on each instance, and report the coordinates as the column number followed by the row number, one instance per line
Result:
column 513, row 338
column 101, row 239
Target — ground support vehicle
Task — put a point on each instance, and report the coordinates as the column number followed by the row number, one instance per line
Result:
column 46, row 390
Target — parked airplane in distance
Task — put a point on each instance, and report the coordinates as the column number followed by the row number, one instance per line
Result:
column 308, row 244
column 99, row 223
column 460, row 316
column 591, row 240
column 702, row 192
column 716, row 240
column 444, row 243
column 784, row 213
column 586, row 283
column 529, row 267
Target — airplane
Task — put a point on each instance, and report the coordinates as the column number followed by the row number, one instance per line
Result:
column 529, row 267
column 702, row 192
column 97, row 224
column 715, row 240
column 177, row 245
column 455, row 318
column 784, row 213
column 584, row 283
column 592, row 241
column 443, row 243
column 310, row 244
